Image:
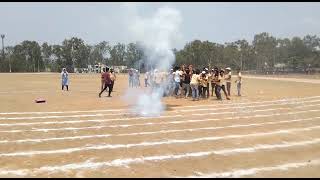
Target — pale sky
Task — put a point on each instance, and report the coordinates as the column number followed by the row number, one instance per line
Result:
column 217, row 22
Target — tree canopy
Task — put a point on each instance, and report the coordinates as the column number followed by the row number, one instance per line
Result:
column 264, row 52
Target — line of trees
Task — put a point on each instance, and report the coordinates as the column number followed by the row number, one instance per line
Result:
column 265, row 52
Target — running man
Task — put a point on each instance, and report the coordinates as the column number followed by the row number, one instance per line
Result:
column 107, row 81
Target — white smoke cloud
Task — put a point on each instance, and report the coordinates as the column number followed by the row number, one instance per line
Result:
column 157, row 35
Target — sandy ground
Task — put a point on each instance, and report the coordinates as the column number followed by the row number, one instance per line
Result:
column 270, row 131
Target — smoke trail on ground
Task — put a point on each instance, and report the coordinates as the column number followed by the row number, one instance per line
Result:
column 156, row 35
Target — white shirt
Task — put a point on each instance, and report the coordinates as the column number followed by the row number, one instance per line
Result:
column 177, row 75
column 228, row 76
column 239, row 80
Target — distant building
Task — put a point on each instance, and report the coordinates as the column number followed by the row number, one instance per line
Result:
column 98, row 68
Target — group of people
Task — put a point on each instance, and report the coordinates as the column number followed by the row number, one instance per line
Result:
column 108, row 78
column 180, row 81
column 134, row 78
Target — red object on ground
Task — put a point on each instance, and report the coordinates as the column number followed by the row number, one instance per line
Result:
column 40, row 100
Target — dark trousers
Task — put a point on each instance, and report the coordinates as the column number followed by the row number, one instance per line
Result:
column 217, row 92
column 66, row 86
column 223, row 87
column 145, row 82
column 110, row 86
column 176, row 88
column 205, row 93
column 200, row 91
column 228, row 88
column 213, row 88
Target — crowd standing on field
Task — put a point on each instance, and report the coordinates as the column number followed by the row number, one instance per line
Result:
column 180, row 82
column 186, row 81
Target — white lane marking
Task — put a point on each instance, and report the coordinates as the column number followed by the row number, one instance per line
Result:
column 215, row 105
column 157, row 143
column 22, row 172
column 151, row 132
column 57, row 117
column 313, row 81
column 62, row 112
column 254, row 106
column 128, row 161
column 84, row 121
column 137, row 124
column 252, row 171
column 254, row 102
column 216, row 109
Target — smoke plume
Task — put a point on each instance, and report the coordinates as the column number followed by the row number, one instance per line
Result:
column 157, row 35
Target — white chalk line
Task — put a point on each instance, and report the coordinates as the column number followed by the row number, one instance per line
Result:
column 252, row 171
column 313, row 81
column 153, row 123
column 128, row 161
column 150, row 132
column 155, row 143
column 62, row 112
column 57, row 117
column 156, row 123
column 254, row 106
column 110, row 110
column 84, row 121
column 244, row 103
column 94, row 115
column 138, row 124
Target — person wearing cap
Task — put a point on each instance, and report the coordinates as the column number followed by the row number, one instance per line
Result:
column 204, row 84
column 213, row 75
column 228, row 80
column 65, row 79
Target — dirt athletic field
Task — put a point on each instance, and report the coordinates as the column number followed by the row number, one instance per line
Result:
column 273, row 130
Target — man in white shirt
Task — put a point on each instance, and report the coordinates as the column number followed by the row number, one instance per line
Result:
column 177, row 78
column 239, row 82
column 228, row 80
